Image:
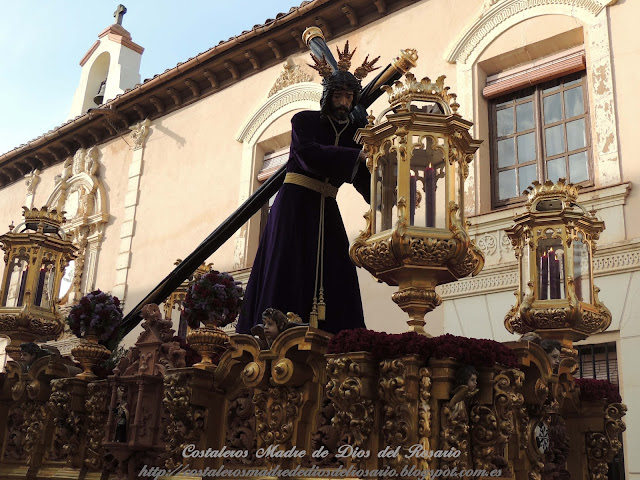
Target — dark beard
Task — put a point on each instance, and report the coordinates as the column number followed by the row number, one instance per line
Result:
column 341, row 114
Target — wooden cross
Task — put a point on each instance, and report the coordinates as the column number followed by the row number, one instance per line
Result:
column 119, row 13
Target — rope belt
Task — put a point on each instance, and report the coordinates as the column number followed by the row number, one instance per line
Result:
column 325, row 189
column 318, row 309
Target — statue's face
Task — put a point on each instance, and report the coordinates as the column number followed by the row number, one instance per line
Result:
column 472, row 383
column 27, row 357
column 270, row 329
column 341, row 103
column 554, row 358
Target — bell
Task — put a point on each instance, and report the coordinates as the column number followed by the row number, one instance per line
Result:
column 98, row 99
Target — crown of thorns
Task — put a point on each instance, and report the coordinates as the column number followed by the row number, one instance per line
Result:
column 344, row 63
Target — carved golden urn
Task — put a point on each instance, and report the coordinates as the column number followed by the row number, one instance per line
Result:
column 208, row 341
column 554, row 242
column 36, row 254
column 89, row 353
column 416, row 237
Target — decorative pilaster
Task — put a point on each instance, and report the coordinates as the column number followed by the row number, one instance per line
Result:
column 139, row 133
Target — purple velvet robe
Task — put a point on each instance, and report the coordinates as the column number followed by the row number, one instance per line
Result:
column 283, row 274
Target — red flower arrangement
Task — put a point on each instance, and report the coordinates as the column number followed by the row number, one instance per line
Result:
column 471, row 351
column 216, row 294
column 592, row 390
column 98, row 313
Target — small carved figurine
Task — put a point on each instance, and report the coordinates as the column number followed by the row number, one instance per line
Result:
column 466, row 387
column 122, row 416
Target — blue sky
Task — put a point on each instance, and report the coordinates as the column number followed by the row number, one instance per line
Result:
column 42, row 42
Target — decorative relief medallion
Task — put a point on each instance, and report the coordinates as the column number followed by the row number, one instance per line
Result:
column 488, row 244
column 290, row 75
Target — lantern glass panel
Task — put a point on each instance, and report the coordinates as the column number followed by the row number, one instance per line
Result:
column 16, row 283
column 67, row 278
column 551, row 270
column 44, row 289
column 427, row 185
column 582, row 269
column 385, row 198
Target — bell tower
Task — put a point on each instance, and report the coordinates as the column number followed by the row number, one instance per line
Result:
column 110, row 66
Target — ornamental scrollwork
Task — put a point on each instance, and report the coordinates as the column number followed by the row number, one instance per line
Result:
column 345, row 389
column 397, row 416
column 96, row 411
column 431, row 251
column 454, row 428
column 185, row 422
column 327, row 437
column 16, row 432
column 376, row 255
column 241, row 427
column 35, row 416
column 471, row 263
column 68, row 424
column 276, row 411
column 492, row 426
column 603, row 447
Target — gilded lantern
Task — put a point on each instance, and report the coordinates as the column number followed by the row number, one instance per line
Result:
column 554, row 242
column 416, row 237
column 36, row 254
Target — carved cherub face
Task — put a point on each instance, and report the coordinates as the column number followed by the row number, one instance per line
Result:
column 554, row 358
column 181, row 428
column 270, row 329
column 472, row 383
column 27, row 357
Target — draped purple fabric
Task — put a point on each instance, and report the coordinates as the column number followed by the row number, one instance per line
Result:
column 283, row 274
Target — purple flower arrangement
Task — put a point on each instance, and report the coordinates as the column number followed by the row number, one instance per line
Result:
column 471, row 351
column 98, row 313
column 592, row 390
column 213, row 294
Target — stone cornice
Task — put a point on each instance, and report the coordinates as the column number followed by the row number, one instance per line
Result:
column 197, row 78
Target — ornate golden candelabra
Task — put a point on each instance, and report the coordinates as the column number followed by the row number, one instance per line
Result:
column 36, row 254
column 554, row 242
column 416, row 235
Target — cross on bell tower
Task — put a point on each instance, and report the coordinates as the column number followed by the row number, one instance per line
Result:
column 116, row 58
column 119, row 13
